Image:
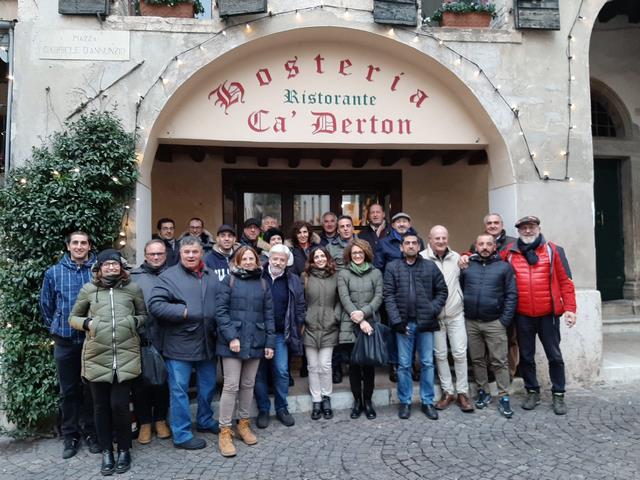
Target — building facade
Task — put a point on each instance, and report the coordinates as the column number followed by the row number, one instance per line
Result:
column 314, row 106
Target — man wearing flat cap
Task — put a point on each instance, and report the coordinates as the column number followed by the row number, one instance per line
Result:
column 251, row 234
column 545, row 293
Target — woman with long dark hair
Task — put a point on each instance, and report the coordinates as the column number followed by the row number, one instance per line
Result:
column 360, row 291
column 321, row 327
column 110, row 309
column 246, row 327
column 302, row 241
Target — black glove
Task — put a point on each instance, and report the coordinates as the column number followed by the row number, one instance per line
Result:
column 400, row 328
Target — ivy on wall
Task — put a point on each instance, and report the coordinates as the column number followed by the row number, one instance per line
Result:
column 82, row 180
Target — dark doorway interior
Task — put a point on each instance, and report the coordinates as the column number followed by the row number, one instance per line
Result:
column 608, row 228
column 292, row 195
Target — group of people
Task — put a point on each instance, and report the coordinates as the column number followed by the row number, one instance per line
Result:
column 253, row 301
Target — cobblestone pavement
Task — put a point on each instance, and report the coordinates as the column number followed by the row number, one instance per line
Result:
column 599, row 438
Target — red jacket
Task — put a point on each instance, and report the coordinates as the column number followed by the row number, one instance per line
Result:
column 541, row 290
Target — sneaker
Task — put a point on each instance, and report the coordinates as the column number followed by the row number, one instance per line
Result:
column 92, row 444
column 70, row 447
column 483, row 399
column 504, row 407
column 192, row 444
column 263, row 419
column 559, row 407
column 532, row 400
column 286, row 418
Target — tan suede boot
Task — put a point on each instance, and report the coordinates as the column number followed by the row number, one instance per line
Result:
column 144, row 436
column 162, row 430
column 244, row 430
column 225, row 442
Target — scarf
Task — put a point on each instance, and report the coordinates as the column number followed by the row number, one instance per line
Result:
column 109, row 281
column 319, row 272
column 145, row 267
column 361, row 269
column 529, row 249
column 379, row 229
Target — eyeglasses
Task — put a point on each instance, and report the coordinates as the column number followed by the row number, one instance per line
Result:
column 111, row 264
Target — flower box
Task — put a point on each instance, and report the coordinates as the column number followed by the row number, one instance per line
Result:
column 466, row 19
column 179, row 10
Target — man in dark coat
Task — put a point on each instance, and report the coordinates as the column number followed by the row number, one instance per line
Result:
column 490, row 299
column 329, row 228
column 414, row 294
column 167, row 233
column 376, row 228
column 251, row 234
column 289, row 313
column 151, row 403
column 184, row 302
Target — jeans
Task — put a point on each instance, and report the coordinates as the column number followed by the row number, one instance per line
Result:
column 454, row 329
column 280, row 373
column 180, row 415
column 424, row 343
column 548, row 330
column 111, row 410
column 76, row 407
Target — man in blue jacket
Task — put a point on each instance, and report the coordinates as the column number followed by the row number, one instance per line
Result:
column 288, row 313
column 61, row 285
column 220, row 255
column 184, row 302
column 490, row 299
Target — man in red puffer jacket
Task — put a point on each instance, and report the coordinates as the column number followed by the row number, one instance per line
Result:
column 545, row 293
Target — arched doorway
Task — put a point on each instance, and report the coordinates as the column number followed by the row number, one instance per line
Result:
column 372, row 118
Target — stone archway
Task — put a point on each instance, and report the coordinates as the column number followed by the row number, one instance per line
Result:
column 366, row 91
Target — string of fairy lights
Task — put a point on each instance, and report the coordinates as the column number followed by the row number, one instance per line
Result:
column 458, row 59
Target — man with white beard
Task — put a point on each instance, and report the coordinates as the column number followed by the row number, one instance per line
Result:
column 289, row 312
column 545, row 293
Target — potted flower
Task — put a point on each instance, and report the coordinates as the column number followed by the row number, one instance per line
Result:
column 170, row 8
column 465, row 13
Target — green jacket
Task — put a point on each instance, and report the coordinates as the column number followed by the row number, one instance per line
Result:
column 112, row 343
column 358, row 292
column 321, row 325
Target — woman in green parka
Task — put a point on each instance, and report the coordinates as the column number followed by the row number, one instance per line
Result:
column 110, row 309
column 360, row 291
column 321, row 327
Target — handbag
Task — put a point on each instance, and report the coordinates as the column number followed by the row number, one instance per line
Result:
column 154, row 371
column 371, row 350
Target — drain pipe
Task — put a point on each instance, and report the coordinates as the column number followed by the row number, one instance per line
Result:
column 8, row 25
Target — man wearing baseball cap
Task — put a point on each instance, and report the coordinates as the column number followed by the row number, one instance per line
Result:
column 545, row 293
column 220, row 255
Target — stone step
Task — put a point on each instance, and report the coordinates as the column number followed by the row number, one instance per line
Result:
column 621, row 324
column 621, row 357
column 619, row 308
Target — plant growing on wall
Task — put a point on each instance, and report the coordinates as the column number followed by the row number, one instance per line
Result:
column 197, row 5
column 82, row 180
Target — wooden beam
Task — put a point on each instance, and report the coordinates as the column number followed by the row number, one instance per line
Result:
column 293, row 159
column 229, row 156
column 390, row 157
column 453, row 156
column 197, row 154
column 164, row 154
column 420, row 157
column 326, row 158
column 360, row 158
column 263, row 160
column 478, row 157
